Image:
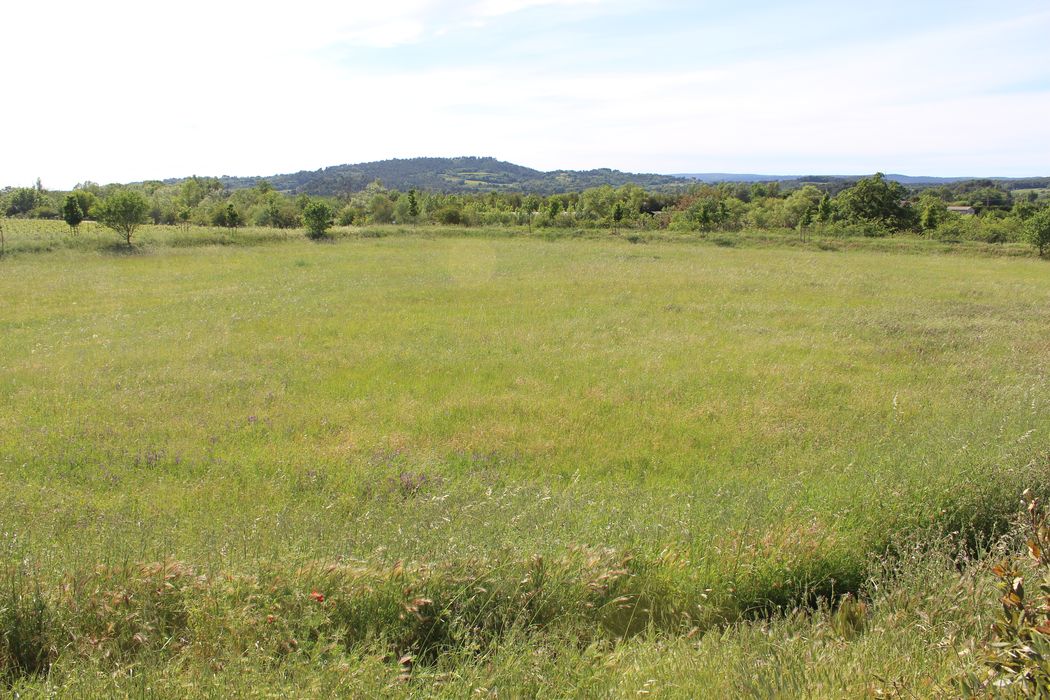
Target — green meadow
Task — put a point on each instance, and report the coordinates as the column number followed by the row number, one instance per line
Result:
column 439, row 461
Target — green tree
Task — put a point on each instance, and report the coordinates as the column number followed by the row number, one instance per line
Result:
column 932, row 211
column 553, row 208
column 89, row 186
column 800, row 205
column 804, row 222
column 22, row 201
column 993, row 197
column 87, row 200
column 123, row 211
column 1037, row 229
column 529, row 206
column 380, row 209
column 194, row 189
column 317, row 217
column 876, row 200
column 1023, row 209
column 413, row 205
column 72, row 213
column 824, row 210
column 277, row 211
column 227, row 216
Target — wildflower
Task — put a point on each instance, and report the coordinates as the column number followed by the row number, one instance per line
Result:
column 319, row 597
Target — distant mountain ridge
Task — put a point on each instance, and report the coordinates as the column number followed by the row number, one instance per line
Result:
column 747, row 177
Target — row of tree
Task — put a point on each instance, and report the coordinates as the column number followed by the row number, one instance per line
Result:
column 872, row 206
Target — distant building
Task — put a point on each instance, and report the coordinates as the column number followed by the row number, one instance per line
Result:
column 965, row 211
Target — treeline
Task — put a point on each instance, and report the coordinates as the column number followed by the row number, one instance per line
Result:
column 874, row 206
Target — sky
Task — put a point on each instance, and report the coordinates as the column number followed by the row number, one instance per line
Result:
column 125, row 90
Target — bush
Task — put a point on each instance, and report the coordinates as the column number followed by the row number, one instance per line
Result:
column 953, row 229
column 45, row 210
column 227, row 216
column 317, row 218
column 1019, row 658
column 974, row 228
column 349, row 214
column 997, row 231
column 276, row 212
column 449, row 216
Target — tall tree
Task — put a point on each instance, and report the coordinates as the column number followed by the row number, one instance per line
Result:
column 86, row 199
column 932, row 211
column 530, row 205
column 72, row 213
column 413, row 204
column 824, row 210
column 1037, row 229
column 22, row 201
column 876, row 200
column 123, row 211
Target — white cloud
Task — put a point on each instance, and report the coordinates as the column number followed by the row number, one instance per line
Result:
column 497, row 8
column 119, row 91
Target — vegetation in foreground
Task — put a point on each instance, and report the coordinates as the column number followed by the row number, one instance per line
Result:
column 410, row 465
column 980, row 210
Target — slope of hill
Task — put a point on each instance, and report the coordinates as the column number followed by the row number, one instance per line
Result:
column 464, row 174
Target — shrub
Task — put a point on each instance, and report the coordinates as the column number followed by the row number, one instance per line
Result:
column 973, row 228
column 227, row 216
column 1019, row 657
column 349, row 214
column 317, row 217
column 275, row 211
column 450, row 216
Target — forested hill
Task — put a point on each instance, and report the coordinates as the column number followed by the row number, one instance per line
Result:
column 467, row 174
column 482, row 175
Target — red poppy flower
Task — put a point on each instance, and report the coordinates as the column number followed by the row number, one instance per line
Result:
column 319, row 597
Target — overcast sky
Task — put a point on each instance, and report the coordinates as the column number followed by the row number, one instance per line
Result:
column 130, row 90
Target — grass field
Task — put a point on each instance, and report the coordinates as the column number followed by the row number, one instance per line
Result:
column 536, row 467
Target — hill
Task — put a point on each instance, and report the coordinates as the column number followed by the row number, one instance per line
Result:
column 464, row 174
column 483, row 174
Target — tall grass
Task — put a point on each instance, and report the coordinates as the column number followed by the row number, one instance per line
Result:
column 470, row 445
